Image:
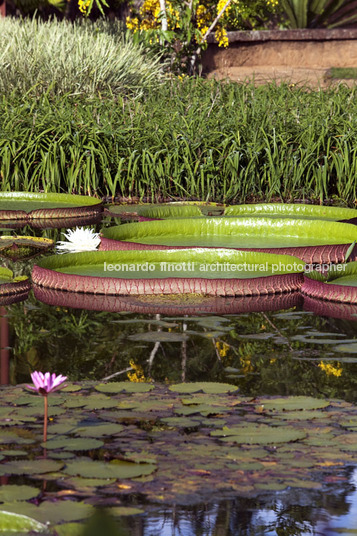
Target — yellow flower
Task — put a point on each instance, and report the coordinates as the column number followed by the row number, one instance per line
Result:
column 221, row 5
column 330, row 369
column 222, row 348
column 83, row 6
column 137, row 375
column 222, row 37
column 133, row 23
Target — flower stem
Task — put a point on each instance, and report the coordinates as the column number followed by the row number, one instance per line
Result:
column 45, row 401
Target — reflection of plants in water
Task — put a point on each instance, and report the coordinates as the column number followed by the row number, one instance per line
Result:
column 262, row 354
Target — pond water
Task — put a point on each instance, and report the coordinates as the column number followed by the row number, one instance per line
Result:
column 275, row 346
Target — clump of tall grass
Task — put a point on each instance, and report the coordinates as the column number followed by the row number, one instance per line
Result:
column 193, row 139
column 73, row 58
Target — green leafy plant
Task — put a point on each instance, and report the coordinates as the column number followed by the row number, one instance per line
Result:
column 59, row 57
column 319, row 13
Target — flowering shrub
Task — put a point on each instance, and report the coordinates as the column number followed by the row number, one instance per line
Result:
column 183, row 27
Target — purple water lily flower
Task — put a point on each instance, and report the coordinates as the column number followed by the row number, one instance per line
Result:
column 46, row 383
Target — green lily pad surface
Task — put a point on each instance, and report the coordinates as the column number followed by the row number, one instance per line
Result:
column 11, row 523
column 200, row 263
column 239, row 232
column 299, row 210
column 169, row 210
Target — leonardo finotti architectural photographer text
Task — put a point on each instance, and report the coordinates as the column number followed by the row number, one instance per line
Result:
column 217, row 267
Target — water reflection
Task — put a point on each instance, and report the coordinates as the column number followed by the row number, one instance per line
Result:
column 267, row 346
column 288, row 513
column 167, row 305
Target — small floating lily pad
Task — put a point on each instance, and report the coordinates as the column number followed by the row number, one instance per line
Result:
column 10, row 493
column 30, row 467
column 260, row 434
column 129, row 387
column 115, row 469
column 12, row 437
column 73, row 443
column 294, row 403
column 206, row 387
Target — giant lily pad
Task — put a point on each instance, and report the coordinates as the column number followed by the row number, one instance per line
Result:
column 30, row 206
column 298, row 210
column 339, row 284
column 10, row 285
column 23, row 247
column 166, row 210
column 199, row 271
column 11, row 523
column 312, row 241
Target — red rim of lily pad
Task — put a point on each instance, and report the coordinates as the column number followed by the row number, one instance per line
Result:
column 128, row 236
column 47, row 273
column 309, row 254
column 161, row 305
column 15, row 287
column 77, row 206
column 329, row 291
column 14, row 298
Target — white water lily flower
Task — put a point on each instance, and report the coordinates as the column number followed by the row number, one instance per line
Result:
column 78, row 240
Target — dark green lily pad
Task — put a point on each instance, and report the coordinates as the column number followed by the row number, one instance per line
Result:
column 99, row 430
column 159, row 336
column 180, row 422
column 294, row 403
column 13, row 452
column 29, row 467
column 259, row 434
column 129, row 387
column 206, row 387
column 79, row 482
column 73, row 443
column 10, row 493
column 116, row 469
column 12, row 437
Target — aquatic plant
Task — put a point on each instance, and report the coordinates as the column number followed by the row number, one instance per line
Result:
column 313, row 241
column 31, row 206
column 45, row 384
column 78, row 240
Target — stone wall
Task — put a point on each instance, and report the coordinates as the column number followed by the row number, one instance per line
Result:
column 295, row 55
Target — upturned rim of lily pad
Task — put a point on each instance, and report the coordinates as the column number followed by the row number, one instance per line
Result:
column 78, row 206
column 13, row 286
column 132, row 236
column 332, row 286
column 55, row 272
